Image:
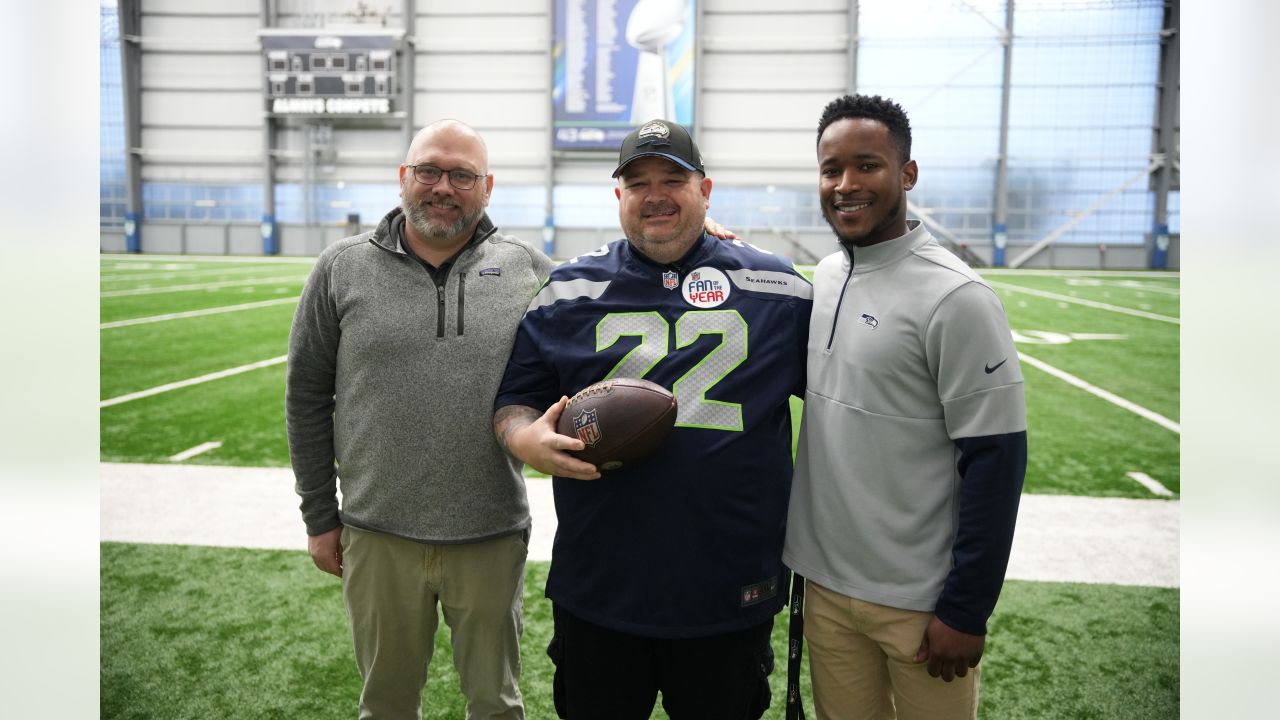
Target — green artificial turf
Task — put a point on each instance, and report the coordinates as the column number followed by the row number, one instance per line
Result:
column 145, row 356
column 1085, row 652
column 227, row 284
column 244, row 413
column 1079, row 444
column 1141, row 368
column 200, row 632
column 1154, row 294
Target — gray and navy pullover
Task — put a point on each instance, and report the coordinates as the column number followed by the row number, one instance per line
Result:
column 913, row 445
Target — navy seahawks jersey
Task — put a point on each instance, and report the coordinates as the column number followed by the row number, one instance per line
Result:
column 688, row 542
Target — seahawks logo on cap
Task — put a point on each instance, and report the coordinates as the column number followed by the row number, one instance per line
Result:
column 654, row 129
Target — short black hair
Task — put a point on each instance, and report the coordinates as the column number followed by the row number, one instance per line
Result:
column 872, row 107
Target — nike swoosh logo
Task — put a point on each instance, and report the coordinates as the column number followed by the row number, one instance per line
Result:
column 990, row 369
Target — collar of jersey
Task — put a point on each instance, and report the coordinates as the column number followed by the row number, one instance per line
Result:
column 692, row 259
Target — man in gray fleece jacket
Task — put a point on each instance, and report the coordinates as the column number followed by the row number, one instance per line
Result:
column 397, row 348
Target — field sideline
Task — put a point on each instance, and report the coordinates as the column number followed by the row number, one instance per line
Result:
column 1059, row 538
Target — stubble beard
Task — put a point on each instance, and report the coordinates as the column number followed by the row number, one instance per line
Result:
column 828, row 211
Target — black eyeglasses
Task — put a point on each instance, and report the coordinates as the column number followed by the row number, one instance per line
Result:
column 459, row 179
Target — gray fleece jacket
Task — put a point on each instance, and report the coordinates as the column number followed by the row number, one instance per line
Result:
column 391, row 383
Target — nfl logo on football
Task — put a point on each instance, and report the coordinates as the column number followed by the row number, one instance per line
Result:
column 585, row 425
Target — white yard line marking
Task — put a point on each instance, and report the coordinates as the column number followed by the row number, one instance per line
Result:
column 1083, row 273
column 1112, row 398
column 118, row 278
column 290, row 279
column 192, row 452
column 240, row 259
column 192, row 381
column 1150, row 483
column 196, row 313
column 1134, row 285
column 1097, row 336
column 1089, row 303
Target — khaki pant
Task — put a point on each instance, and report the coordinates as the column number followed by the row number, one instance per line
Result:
column 861, row 660
column 391, row 587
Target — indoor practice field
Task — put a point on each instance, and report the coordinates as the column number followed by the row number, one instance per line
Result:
column 192, row 371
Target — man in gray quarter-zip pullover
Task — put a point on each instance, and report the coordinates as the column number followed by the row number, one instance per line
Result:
column 913, row 445
column 399, row 342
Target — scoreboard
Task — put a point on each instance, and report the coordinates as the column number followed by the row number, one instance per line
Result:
column 323, row 72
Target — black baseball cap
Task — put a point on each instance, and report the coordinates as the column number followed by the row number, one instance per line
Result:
column 660, row 138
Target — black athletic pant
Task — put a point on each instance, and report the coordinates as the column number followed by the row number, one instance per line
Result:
column 611, row 675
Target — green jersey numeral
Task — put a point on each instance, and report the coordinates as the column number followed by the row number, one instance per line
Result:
column 693, row 407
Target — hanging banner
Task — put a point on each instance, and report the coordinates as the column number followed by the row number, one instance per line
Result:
column 617, row 64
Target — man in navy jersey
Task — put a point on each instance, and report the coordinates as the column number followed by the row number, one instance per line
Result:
column 666, row 574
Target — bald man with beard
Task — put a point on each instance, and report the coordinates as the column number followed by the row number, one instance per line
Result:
column 395, row 355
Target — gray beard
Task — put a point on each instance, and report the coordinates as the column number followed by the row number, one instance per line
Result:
column 430, row 230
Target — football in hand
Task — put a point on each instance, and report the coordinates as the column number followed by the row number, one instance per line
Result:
column 621, row 421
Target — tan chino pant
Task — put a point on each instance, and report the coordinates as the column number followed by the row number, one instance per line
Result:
column 392, row 586
column 861, row 661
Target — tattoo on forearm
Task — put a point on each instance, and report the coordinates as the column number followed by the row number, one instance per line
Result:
column 509, row 419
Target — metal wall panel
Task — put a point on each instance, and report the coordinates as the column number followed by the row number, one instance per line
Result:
column 767, row 72
column 177, row 141
column 489, row 33
column 177, row 32
column 205, row 109
column 186, row 7
column 428, row 8
column 110, row 241
column 751, row 71
column 482, row 72
column 511, row 111
column 773, row 7
column 162, row 238
column 206, row 239
column 172, row 71
column 244, row 240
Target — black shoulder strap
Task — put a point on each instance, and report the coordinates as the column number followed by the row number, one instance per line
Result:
column 795, row 648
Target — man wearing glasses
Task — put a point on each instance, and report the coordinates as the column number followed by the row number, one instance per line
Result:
column 399, row 342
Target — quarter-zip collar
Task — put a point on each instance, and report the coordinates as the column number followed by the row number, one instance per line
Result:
column 390, row 237
column 874, row 257
column 861, row 260
column 389, row 233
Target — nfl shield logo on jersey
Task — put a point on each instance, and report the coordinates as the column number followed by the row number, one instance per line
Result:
column 670, row 280
column 585, row 425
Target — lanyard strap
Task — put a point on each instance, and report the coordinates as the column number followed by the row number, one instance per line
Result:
column 795, row 648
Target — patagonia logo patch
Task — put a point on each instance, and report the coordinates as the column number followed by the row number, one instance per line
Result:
column 759, row 592
column 494, row 271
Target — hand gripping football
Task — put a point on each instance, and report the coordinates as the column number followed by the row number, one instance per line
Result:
column 622, row 421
